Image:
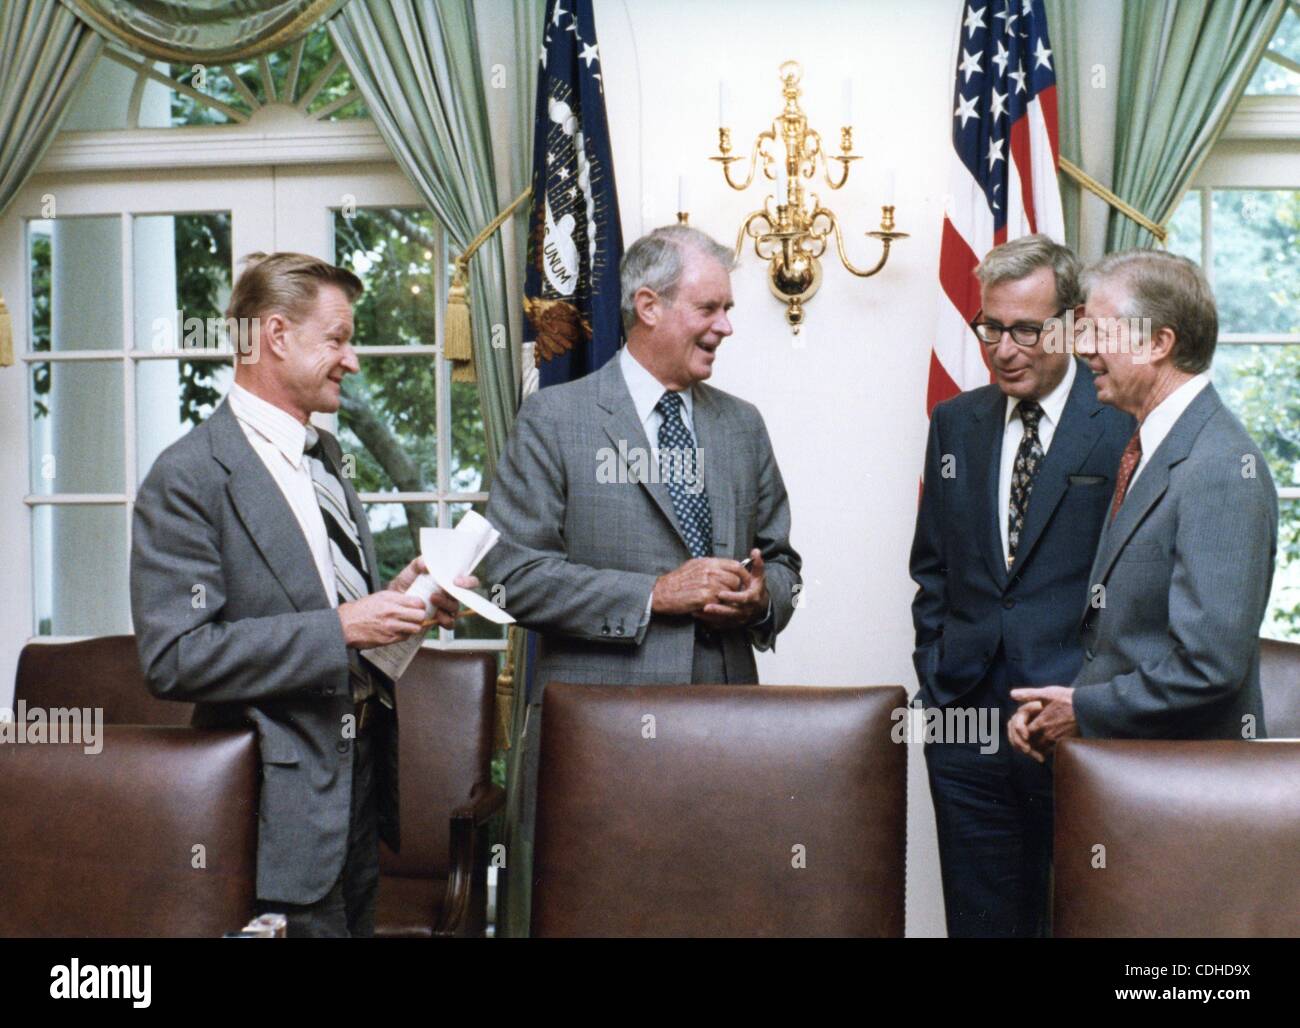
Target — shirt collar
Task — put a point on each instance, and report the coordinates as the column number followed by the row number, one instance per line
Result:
column 647, row 390
column 1053, row 403
column 1161, row 420
column 280, row 428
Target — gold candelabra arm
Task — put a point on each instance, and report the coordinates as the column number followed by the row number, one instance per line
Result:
column 886, row 234
column 744, row 231
column 726, row 159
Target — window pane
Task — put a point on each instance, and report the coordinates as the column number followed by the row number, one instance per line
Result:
column 392, row 250
column 181, row 280
column 1257, row 260
column 76, row 283
column 474, row 627
column 1185, row 228
column 1259, row 384
column 1272, row 77
column 76, row 427
column 80, row 570
column 387, row 424
column 171, row 397
column 468, row 443
column 1283, row 619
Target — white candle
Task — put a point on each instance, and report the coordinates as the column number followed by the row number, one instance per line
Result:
column 889, row 187
column 782, row 179
column 681, row 194
column 724, row 102
column 848, row 103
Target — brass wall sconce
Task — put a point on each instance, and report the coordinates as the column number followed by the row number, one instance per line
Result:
column 790, row 231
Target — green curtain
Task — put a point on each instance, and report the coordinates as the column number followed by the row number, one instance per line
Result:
column 1184, row 64
column 416, row 63
column 1063, row 28
column 211, row 31
column 46, row 51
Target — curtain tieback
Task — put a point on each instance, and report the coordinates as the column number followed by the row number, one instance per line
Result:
column 6, row 335
column 458, row 340
column 1093, row 186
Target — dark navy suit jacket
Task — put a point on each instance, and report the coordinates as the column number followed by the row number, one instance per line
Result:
column 968, row 607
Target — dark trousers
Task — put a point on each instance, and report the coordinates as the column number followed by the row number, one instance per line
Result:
column 348, row 909
column 993, row 812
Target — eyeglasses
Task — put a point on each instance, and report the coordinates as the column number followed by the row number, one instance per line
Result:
column 1023, row 333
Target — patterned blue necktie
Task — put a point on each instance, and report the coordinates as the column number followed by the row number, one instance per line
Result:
column 680, row 470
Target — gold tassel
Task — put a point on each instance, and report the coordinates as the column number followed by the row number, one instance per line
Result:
column 458, row 346
column 6, row 335
column 505, row 698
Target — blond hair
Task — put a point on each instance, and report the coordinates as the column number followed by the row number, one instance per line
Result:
column 286, row 283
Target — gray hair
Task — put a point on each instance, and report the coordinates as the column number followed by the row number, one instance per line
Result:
column 1021, row 257
column 1172, row 292
column 655, row 261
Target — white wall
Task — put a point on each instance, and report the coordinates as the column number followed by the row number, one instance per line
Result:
column 846, row 406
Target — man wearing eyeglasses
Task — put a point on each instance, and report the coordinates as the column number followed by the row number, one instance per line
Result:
column 1018, row 477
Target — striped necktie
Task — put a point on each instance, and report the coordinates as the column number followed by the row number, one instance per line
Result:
column 351, row 578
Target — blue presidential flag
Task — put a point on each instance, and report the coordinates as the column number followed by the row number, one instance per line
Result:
column 575, row 242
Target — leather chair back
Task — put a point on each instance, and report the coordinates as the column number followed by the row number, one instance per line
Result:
column 719, row 811
column 1279, row 677
column 1199, row 839
column 102, row 844
column 103, row 672
column 445, row 727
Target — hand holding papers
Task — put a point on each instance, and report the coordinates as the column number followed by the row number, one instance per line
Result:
column 448, row 553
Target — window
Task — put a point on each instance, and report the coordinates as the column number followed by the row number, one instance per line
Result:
column 1279, row 72
column 1248, row 242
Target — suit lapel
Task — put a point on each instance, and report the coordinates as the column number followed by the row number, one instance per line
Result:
column 1072, row 442
column 709, row 435
column 266, row 514
column 1152, row 484
column 986, row 460
column 622, row 426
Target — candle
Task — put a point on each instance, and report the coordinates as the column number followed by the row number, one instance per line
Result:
column 889, row 187
column 848, row 103
column 724, row 102
column 782, row 178
column 681, row 194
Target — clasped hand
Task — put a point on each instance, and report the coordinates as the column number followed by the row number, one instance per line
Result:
column 720, row 592
column 1045, row 717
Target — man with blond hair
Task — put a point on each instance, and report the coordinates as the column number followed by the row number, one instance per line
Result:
column 254, row 589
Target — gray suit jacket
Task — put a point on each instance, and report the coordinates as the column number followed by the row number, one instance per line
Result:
column 1186, row 567
column 230, row 614
column 579, row 554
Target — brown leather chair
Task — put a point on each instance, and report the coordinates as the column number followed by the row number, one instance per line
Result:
column 1201, row 839
column 1279, row 676
column 437, row 885
column 720, row 811
column 103, row 844
column 103, row 672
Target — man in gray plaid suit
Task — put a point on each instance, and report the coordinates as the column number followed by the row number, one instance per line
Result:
column 628, row 499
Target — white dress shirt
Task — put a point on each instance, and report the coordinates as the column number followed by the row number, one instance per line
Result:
column 1013, row 431
column 279, row 439
column 1161, row 420
column 647, row 391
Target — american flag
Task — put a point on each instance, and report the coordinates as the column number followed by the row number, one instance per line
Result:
column 1003, row 185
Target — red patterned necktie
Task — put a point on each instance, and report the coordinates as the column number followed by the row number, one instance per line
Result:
column 1127, row 465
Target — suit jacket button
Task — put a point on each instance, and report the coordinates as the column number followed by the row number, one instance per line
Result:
column 328, row 690
column 343, row 746
column 1008, row 603
column 604, row 629
column 618, row 630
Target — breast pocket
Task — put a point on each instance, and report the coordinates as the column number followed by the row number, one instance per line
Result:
column 1143, row 553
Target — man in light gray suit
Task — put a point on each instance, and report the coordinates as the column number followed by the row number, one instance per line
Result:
column 254, row 587
column 628, row 499
column 1183, row 569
